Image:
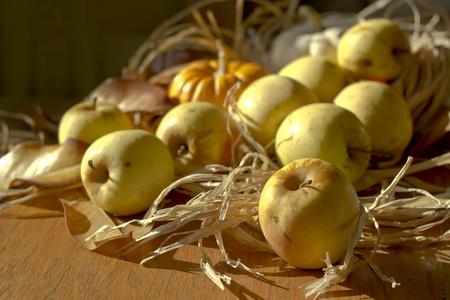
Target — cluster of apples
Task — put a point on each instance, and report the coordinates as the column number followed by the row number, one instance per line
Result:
column 325, row 120
column 344, row 112
column 329, row 122
column 125, row 168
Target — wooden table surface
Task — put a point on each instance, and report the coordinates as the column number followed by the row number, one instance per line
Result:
column 41, row 260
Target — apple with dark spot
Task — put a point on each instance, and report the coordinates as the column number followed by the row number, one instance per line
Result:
column 307, row 209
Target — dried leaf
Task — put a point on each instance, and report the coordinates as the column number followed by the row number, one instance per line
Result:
column 144, row 102
column 54, row 179
column 132, row 95
column 83, row 218
column 31, row 160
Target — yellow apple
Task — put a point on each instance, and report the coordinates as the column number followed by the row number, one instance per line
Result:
column 124, row 171
column 196, row 134
column 88, row 120
column 385, row 114
column 267, row 101
column 323, row 77
column 326, row 131
column 307, row 209
column 376, row 48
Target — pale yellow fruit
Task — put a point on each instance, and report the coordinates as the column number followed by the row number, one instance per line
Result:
column 267, row 101
column 323, row 77
column 88, row 120
column 123, row 172
column 385, row 114
column 326, row 131
column 376, row 49
column 197, row 134
column 307, row 209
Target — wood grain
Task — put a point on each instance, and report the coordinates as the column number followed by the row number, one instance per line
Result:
column 40, row 260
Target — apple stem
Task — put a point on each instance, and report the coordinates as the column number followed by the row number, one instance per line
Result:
column 91, row 164
column 305, row 183
column 182, row 150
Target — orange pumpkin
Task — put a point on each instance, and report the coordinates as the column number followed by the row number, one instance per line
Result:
column 203, row 80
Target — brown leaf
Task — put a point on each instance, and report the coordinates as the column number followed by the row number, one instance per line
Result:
column 53, row 179
column 144, row 102
column 83, row 218
column 31, row 160
column 132, row 95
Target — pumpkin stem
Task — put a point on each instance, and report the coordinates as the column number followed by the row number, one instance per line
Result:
column 222, row 59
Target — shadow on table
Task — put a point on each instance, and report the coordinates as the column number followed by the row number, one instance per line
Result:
column 415, row 268
column 422, row 272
